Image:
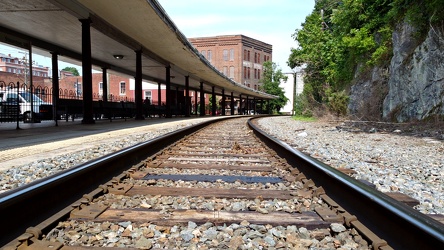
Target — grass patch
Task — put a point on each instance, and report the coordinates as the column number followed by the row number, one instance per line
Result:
column 303, row 118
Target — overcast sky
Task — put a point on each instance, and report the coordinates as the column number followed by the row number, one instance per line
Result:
column 269, row 21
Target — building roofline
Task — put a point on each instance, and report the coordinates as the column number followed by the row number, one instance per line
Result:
column 244, row 37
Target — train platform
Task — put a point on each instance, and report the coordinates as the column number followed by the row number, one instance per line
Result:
column 35, row 141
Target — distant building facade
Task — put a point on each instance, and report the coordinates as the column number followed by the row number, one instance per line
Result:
column 293, row 87
column 20, row 66
column 119, row 88
column 237, row 56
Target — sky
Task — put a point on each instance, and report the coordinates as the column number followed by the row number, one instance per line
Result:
column 272, row 22
column 38, row 59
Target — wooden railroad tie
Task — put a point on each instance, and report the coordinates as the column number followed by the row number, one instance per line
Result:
column 309, row 220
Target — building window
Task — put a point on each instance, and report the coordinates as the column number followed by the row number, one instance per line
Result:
column 204, row 53
column 258, row 57
column 210, row 55
column 265, row 58
column 245, row 72
column 245, row 54
column 225, row 54
column 122, row 88
column 255, row 73
column 248, row 56
column 225, row 71
column 148, row 95
column 100, row 88
column 255, row 57
column 249, row 69
column 232, row 72
column 231, row 54
column 258, row 74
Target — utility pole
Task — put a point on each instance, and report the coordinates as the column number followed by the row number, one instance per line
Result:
column 27, row 69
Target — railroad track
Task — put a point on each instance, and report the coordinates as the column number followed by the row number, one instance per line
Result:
column 224, row 187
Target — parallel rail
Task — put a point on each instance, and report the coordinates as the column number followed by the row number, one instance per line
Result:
column 400, row 225
column 374, row 214
column 27, row 205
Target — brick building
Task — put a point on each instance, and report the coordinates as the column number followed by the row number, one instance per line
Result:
column 19, row 66
column 237, row 56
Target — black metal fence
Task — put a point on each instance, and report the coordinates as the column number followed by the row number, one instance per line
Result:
column 22, row 103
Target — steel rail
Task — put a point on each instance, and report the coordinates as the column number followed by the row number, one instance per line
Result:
column 31, row 204
column 401, row 226
column 398, row 224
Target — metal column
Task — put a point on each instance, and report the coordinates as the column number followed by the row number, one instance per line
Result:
column 187, row 96
column 213, row 102
column 87, row 73
column 232, row 104
column 104, row 85
column 223, row 101
column 202, row 100
column 138, row 87
column 195, row 102
column 55, row 85
column 168, row 93
column 239, row 108
column 247, row 107
column 159, row 94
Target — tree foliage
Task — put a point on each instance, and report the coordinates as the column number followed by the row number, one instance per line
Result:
column 73, row 70
column 272, row 77
column 342, row 38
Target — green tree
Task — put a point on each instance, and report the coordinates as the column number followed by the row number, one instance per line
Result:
column 73, row 70
column 342, row 39
column 272, row 77
column 339, row 40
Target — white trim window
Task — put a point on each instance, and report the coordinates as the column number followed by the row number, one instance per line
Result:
column 122, row 89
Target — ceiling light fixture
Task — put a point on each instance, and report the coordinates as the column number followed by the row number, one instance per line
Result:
column 118, row 57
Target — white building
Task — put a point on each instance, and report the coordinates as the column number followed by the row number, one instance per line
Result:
column 293, row 87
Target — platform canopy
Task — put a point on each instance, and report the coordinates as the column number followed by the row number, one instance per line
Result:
column 118, row 28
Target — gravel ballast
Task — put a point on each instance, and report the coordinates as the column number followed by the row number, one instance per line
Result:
column 413, row 165
column 391, row 160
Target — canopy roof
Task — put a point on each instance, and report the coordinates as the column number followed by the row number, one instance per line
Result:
column 118, row 27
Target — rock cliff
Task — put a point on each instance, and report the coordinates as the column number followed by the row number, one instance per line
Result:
column 413, row 86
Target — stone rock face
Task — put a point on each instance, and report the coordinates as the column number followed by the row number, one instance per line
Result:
column 412, row 88
column 367, row 94
column 416, row 81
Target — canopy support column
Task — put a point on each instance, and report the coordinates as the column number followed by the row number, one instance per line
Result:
column 55, row 85
column 87, row 73
column 232, row 104
column 213, row 102
column 202, row 100
column 104, row 84
column 187, row 96
column 138, row 87
column 168, row 92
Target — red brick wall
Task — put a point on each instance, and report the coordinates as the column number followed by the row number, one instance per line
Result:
column 240, row 44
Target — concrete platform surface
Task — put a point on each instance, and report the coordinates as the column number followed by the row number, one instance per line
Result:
column 43, row 140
